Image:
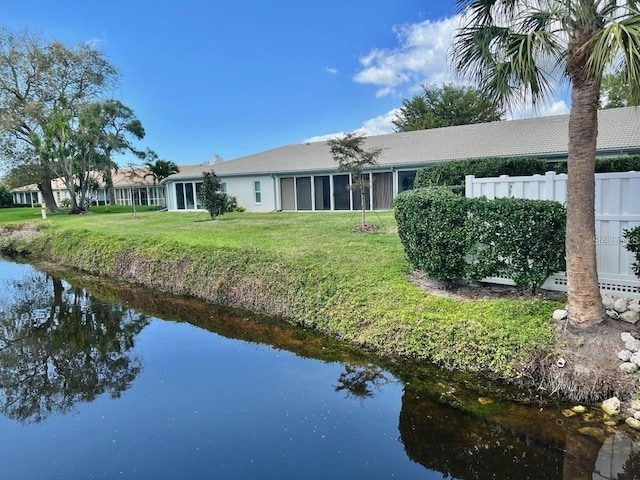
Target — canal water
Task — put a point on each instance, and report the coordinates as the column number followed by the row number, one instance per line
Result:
column 103, row 380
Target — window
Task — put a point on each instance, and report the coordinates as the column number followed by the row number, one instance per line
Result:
column 257, row 195
column 223, row 187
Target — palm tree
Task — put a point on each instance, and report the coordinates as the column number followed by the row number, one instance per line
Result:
column 161, row 169
column 514, row 49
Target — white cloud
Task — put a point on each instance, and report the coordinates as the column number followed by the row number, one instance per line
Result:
column 421, row 57
column 331, row 70
column 380, row 125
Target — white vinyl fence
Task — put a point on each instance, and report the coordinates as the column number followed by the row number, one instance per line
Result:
column 617, row 210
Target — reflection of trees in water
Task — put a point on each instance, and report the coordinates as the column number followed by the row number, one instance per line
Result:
column 358, row 381
column 60, row 346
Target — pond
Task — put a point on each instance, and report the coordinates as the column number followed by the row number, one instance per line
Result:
column 103, row 380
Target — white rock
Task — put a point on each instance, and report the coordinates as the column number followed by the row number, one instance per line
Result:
column 628, row 367
column 560, row 315
column 633, row 345
column 625, row 355
column 612, row 313
column 634, row 305
column 626, row 337
column 621, row 305
column 611, row 406
column 608, row 300
column 636, row 415
column 635, row 405
column 635, row 358
column 630, row 317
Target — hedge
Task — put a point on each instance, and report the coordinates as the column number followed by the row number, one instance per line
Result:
column 622, row 163
column 453, row 173
column 632, row 238
column 430, row 245
column 451, row 237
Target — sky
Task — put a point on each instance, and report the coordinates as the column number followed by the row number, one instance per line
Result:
column 239, row 77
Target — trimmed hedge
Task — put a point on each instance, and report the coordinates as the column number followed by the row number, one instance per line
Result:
column 623, row 163
column 453, row 173
column 632, row 238
column 451, row 237
column 432, row 229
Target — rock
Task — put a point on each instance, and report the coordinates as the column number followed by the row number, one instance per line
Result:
column 579, row 409
column 625, row 355
column 560, row 315
column 635, row 405
column 634, row 305
column 612, row 313
column 628, row 367
column 621, row 305
column 626, row 337
column 588, row 417
column 636, row 415
column 633, row 345
column 608, row 301
column 630, row 317
column 485, row 400
column 633, row 423
column 611, row 406
column 610, row 423
column 568, row 413
column 635, row 358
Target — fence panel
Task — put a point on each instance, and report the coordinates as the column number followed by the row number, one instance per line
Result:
column 617, row 210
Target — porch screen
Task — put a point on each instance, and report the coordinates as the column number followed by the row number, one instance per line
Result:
column 287, row 194
column 357, row 205
column 321, row 186
column 341, row 192
column 382, row 187
column 303, row 193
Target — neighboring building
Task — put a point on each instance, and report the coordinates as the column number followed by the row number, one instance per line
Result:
column 305, row 176
column 129, row 185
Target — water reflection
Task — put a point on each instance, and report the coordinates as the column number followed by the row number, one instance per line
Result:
column 60, row 346
column 360, row 381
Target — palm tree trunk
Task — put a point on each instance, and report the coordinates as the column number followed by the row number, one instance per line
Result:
column 583, row 292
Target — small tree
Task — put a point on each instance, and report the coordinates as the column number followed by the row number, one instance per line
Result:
column 351, row 157
column 211, row 195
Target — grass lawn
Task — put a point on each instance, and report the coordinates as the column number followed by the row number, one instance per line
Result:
column 351, row 285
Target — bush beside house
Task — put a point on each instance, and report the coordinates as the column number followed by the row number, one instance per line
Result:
column 453, row 174
column 622, row 163
column 451, row 237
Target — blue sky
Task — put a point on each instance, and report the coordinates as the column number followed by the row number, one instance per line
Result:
column 239, row 77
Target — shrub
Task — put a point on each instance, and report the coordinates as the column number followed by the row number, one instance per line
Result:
column 432, row 229
column 632, row 238
column 453, row 173
column 522, row 239
column 65, row 202
column 622, row 163
column 451, row 237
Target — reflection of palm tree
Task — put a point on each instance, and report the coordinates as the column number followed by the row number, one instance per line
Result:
column 60, row 346
column 358, row 380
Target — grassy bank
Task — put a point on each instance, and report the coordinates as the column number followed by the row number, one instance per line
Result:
column 308, row 268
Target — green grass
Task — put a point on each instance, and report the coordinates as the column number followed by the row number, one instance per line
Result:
column 308, row 267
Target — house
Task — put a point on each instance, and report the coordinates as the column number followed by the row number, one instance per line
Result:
column 305, row 176
column 134, row 184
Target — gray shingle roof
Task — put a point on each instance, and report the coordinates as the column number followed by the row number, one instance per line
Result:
column 546, row 137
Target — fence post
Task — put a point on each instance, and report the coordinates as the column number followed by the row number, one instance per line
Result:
column 550, row 185
column 468, row 186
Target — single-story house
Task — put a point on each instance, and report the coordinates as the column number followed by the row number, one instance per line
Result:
column 305, row 176
column 134, row 184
